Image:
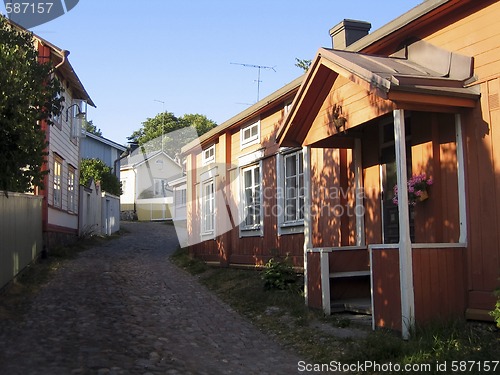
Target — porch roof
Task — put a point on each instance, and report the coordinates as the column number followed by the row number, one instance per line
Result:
column 418, row 74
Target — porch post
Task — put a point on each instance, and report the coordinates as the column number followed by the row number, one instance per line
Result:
column 306, row 152
column 405, row 253
column 358, row 177
column 461, row 179
column 325, row 282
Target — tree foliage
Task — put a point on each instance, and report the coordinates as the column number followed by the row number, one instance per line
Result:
column 303, row 64
column 91, row 128
column 168, row 132
column 97, row 170
column 28, row 96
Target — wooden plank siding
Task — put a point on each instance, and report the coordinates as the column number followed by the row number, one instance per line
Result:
column 438, row 282
column 447, row 281
column 230, row 248
column 386, row 292
column 314, row 292
column 359, row 105
column 474, row 31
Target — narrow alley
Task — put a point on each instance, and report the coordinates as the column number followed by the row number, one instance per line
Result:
column 124, row 308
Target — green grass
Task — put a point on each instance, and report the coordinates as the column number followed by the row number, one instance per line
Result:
column 284, row 315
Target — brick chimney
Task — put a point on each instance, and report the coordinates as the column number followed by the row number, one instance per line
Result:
column 347, row 32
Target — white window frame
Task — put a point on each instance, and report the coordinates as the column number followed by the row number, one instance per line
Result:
column 208, row 208
column 208, row 155
column 162, row 185
column 180, row 191
column 290, row 226
column 57, row 182
column 256, row 228
column 251, row 139
column 71, row 189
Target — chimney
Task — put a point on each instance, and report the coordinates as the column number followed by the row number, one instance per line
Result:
column 347, row 32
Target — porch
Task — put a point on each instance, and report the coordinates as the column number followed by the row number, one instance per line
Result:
column 373, row 127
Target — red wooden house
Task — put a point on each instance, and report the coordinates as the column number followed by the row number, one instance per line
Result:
column 418, row 96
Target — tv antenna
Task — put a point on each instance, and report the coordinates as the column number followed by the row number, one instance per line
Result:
column 259, row 67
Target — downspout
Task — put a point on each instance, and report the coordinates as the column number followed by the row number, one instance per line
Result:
column 65, row 54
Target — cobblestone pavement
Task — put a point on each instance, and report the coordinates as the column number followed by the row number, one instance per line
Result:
column 124, row 308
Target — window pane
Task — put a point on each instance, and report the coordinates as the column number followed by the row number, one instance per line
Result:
column 251, row 196
column 290, row 166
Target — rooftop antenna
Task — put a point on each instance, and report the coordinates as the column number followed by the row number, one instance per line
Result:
column 259, row 67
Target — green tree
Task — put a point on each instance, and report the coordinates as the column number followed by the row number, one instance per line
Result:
column 168, row 132
column 303, row 64
column 28, row 96
column 91, row 128
column 97, row 170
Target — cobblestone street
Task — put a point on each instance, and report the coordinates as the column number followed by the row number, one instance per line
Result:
column 124, row 308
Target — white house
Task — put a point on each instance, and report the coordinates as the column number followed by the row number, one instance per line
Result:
column 144, row 178
column 60, row 189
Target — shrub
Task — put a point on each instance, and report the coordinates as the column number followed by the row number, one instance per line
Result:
column 278, row 274
column 496, row 311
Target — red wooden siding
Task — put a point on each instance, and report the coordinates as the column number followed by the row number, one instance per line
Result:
column 314, row 296
column 439, row 283
column 386, row 292
column 349, row 260
column 433, row 152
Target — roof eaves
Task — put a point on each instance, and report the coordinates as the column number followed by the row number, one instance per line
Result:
column 69, row 72
column 106, row 141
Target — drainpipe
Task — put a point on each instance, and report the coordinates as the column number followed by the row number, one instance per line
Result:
column 65, row 54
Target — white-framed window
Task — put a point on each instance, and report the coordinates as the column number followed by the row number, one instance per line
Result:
column 160, row 187
column 208, row 155
column 180, row 196
column 294, row 187
column 208, row 207
column 71, row 189
column 250, row 135
column 291, row 191
column 251, row 197
column 57, row 192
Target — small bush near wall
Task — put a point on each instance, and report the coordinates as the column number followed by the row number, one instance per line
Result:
column 279, row 274
column 496, row 311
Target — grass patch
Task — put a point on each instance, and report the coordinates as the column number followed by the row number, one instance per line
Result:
column 182, row 259
column 316, row 338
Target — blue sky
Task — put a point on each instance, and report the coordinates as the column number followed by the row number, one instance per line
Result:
column 130, row 55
